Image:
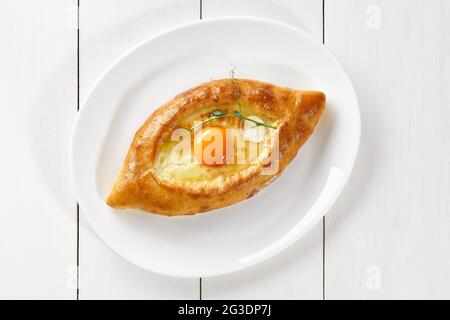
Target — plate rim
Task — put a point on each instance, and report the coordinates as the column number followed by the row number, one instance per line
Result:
column 281, row 247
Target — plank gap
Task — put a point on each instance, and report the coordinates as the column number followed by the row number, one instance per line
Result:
column 78, row 109
column 323, row 219
column 323, row 21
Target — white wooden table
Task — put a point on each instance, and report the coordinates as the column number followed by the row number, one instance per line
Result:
column 388, row 236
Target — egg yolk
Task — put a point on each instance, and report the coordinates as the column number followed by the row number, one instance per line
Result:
column 211, row 147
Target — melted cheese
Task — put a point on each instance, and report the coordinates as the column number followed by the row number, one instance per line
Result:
column 175, row 161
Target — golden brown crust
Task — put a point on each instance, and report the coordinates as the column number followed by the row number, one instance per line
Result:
column 137, row 187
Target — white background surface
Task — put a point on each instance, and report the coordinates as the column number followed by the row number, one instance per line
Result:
column 388, row 236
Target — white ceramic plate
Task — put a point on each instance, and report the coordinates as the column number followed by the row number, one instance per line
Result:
column 249, row 232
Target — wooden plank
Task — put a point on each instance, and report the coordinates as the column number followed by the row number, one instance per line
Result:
column 389, row 235
column 38, row 103
column 108, row 29
column 297, row 272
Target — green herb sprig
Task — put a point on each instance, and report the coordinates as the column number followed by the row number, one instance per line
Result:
column 219, row 114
